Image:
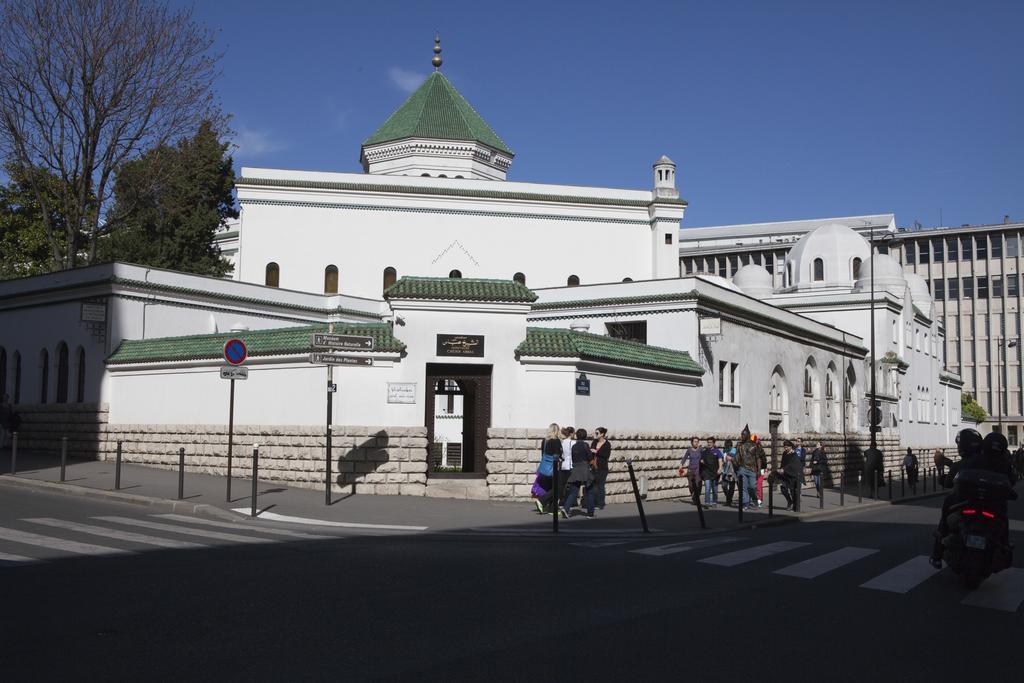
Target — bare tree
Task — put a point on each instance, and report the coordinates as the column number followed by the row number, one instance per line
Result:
column 86, row 85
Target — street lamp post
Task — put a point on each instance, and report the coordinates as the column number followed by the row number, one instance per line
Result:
column 1001, row 347
column 875, row 424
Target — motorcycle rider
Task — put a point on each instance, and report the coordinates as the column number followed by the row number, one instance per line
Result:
column 976, row 453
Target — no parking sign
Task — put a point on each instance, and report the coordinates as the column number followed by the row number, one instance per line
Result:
column 235, row 351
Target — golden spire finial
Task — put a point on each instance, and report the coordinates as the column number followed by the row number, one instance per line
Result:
column 436, row 61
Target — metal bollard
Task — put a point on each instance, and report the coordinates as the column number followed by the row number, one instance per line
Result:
column 821, row 492
column 771, row 498
column 889, row 486
column 14, row 453
column 636, row 495
column 842, row 487
column 63, row 457
column 181, row 473
column 255, row 474
column 117, row 468
column 903, row 472
column 860, row 488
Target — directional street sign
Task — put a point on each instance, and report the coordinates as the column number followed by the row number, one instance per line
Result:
column 341, row 342
column 234, row 372
column 235, row 351
column 335, row 359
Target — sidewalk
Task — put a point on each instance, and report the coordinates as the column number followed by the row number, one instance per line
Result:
column 204, row 495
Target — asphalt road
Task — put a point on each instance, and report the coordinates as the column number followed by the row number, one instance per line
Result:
column 132, row 594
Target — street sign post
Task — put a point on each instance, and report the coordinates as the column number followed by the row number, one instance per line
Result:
column 337, row 359
column 235, row 353
column 341, row 342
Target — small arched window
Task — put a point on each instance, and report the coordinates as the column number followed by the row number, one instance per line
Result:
column 520, row 278
column 442, row 176
column 390, row 275
column 44, row 375
column 273, row 275
column 819, row 270
column 455, row 274
column 573, row 281
column 17, row 377
column 80, row 386
column 627, row 279
column 331, row 280
column 63, row 372
column 856, row 268
column 424, row 175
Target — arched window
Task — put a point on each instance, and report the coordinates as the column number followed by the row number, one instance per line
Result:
column 80, row 386
column 273, row 275
column 425, row 175
column 3, row 372
column 44, row 375
column 778, row 398
column 17, row 377
column 520, row 278
column 627, row 279
column 390, row 275
column 819, row 270
column 331, row 280
column 63, row 373
column 455, row 274
column 573, row 281
column 856, row 267
column 789, row 275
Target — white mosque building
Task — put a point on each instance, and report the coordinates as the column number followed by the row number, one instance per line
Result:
column 482, row 332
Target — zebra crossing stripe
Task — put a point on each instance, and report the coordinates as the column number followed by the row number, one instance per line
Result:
column 682, row 547
column 130, row 536
column 903, row 577
column 1003, row 591
column 750, row 554
column 816, row 566
column 7, row 558
column 186, row 531
column 231, row 525
column 67, row 546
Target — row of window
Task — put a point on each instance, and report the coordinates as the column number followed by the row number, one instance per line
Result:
column 983, row 287
column 727, row 266
column 272, row 277
column 11, row 369
column 967, row 248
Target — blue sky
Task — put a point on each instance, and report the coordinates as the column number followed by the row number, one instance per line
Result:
column 772, row 110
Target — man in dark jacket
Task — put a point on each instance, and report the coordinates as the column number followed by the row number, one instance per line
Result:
column 791, row 470
column 819, row 462
column 710, row 463
column 748, row 463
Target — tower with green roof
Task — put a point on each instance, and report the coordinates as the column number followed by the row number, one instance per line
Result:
column 436, row 133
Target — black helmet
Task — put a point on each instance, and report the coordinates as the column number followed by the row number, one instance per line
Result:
column 969, row 442
column 995, row 444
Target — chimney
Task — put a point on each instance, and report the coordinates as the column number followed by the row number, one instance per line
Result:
column 1006, row 218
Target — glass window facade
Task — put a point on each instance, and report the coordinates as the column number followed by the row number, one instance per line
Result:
column 997, row 286
column 981, row 247
column 1011, row 284
column 937, row 250
column 953, row 288
column 951, row 248
column 1011, row 246
column 966, row 248
column 923, row 254
column 968, row 287
column 997, row 245
column 911, row 252
column 982, row 287
column 939, row 290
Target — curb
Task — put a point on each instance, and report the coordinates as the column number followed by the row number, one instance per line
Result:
column 177, row 506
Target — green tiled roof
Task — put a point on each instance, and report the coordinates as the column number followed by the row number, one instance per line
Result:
column 276, row 342
column 437, row 110
column 460, row 289
column 559, row 343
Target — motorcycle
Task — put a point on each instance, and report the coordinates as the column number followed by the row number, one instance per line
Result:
column 977, row 544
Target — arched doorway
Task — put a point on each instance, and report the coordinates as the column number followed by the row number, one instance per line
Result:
column 778, row 400
column 812, row 394
column 458, row 414
column 833, row 406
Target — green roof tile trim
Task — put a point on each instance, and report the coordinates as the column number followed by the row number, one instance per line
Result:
column 547, row 342
column 155, row 286
column 460, row 289
column 280, row 341
column 617, row 301
column 437, row 110
column 459, row 191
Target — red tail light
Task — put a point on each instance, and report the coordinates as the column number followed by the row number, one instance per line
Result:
column 970, row 512
column 988, row 514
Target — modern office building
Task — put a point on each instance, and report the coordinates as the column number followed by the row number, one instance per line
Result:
column 973, row 273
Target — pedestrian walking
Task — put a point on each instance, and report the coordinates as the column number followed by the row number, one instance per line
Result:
column 556, row 495
column 581, row 476
column 819, row 462
column 910, row 466
column 790, row 471
column 550, row 452
column 602, row 452
column 1018, row 460
column 689, row 467
column 728, row 471
column 710, row 465
column 747, row 466
column 762, row 468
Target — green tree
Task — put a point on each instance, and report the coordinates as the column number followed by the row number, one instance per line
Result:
column 24, row 247
column 970, row 409
column 169, row 204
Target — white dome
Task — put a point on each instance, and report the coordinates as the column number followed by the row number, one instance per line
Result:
column 718, row 280
column 919, row 293
column 837, row 246
column 753, row 280
column 888, row 275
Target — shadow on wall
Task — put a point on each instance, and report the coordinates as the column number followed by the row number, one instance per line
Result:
column 368, row 463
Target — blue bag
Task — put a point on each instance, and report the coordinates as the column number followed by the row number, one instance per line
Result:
column 547, row 465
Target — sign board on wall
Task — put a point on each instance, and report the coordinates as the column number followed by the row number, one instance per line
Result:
column 710, row 326
column 94, row 313
column 234, row 372
column 583, row 385
column 401, row 392
column 470, row 345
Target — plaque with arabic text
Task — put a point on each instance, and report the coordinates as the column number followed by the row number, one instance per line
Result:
column 463, row 345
